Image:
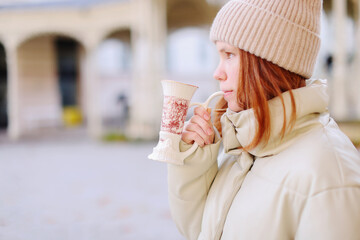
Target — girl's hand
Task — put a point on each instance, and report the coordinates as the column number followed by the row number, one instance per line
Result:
column 199, row 129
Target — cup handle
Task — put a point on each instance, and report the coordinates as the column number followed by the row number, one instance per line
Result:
column 206, row 103
column 188, row 152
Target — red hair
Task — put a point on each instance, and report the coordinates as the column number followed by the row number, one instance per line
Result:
column 260, row 81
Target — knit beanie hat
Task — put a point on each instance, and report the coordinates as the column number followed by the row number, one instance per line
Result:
column 284, row 32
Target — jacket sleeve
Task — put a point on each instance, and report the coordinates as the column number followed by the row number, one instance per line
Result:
column 189, row 185
column 332, row 214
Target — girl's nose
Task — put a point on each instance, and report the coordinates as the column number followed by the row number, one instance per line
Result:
column 219, row 73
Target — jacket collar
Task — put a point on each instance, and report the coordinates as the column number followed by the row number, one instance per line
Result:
column 311, row 111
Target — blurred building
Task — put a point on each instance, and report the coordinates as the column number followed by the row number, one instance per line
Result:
column 100, row 62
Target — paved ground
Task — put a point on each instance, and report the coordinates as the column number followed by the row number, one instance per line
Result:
column 70, row 188
column 63, row 186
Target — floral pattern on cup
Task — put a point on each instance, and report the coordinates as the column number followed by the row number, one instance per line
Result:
column 174, row 114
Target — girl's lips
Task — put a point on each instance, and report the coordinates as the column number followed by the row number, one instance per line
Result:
column 227, row 93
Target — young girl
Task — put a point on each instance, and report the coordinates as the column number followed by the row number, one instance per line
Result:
column 285, row 170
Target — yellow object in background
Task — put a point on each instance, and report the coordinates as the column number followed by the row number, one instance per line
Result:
column 72, row 116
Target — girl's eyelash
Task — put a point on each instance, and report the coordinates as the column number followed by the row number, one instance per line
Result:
column 229, row 54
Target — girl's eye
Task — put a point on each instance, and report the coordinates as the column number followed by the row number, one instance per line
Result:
column 229, row 55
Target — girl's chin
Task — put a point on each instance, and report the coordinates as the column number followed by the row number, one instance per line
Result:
column 234, row 107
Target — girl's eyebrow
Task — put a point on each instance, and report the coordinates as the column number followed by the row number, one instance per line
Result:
column 225, row 49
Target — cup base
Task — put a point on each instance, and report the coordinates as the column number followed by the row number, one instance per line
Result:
column 167, row 149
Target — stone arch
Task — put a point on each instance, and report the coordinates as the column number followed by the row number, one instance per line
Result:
column 123, row 36
column 190, row 51
column 114, row 57
column 328, row 31
column 192, row 58
column 50, row 80
column 192, row 18
column 50, row 33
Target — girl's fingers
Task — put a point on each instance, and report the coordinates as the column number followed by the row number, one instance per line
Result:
column 193, row 127
column 199, row 129
column 191, row 137
column 206, row 127
column 202, row 112
column 205, row 122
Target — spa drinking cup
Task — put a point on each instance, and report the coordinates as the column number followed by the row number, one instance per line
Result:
column 177, row 97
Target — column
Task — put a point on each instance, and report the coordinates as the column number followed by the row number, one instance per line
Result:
column 148, row 50
column 338, row 106
column 13, row 92
column 92, row 88
column 357, row 62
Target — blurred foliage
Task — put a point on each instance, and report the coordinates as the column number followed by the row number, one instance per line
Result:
column 115, row 137
column 121, row 137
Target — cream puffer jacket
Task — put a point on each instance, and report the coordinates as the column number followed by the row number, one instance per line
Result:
column 303, row 186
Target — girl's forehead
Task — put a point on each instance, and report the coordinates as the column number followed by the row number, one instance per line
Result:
column 224, row 46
